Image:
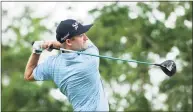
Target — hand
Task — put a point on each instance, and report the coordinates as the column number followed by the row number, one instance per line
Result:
column 48, row 44
column 37, row 47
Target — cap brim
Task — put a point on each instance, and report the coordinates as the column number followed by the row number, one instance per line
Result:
column 85, row 29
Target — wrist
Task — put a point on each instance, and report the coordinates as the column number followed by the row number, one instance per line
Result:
column 37, row 47
column 36, row 51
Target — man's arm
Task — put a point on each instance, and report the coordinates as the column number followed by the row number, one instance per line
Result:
column 38, row 47
column 33, row 60
column 31, row 64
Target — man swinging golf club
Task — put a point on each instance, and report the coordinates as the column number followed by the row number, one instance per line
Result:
column 76, row 75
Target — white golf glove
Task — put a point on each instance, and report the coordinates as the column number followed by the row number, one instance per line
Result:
column 37, row 47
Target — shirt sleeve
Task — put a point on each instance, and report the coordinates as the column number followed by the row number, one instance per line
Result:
column 43, row 71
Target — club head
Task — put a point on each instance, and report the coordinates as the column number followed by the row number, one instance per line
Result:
column 168, row 67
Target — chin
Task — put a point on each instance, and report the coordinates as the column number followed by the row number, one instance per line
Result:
column 85, row 46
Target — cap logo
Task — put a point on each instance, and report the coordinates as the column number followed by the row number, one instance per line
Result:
column 63, row 38
column 75, row 25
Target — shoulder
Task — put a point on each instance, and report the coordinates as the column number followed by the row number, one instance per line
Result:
column 91, row 48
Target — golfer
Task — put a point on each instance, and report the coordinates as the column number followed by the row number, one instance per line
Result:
column 76, row 75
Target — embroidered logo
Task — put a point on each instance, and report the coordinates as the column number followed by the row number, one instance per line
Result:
column 75, row 25
column 63, row 38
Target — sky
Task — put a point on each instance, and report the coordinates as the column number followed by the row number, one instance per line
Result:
column 58, row 11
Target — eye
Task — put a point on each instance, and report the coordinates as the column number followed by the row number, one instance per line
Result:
column 81, row 35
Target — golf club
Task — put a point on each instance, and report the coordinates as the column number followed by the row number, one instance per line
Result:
column 168, row 66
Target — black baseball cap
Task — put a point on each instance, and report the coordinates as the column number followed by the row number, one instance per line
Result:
column 70, row 28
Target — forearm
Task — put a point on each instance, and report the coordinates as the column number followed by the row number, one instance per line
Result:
column 38, row 47
column 31, row 64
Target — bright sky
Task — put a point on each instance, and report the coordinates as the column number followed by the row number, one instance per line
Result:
column 58, row 11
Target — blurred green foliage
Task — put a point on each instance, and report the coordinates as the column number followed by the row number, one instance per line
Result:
column 112, row 24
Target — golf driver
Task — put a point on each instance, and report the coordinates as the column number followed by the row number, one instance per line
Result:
column 168, row 66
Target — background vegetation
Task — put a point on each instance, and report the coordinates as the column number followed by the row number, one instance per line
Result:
column 117, row 32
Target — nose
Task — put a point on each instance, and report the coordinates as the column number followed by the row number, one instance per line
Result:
column 85, row 37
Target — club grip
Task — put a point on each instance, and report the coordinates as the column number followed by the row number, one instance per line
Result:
column 51, row 47
column 32, row 43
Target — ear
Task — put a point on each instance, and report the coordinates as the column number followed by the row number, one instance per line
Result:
column 68, row 42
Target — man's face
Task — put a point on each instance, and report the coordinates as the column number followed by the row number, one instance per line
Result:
column 79, row 42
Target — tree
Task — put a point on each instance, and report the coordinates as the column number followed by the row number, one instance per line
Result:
column 144, row 36
column 21, row 95
column 116, row 33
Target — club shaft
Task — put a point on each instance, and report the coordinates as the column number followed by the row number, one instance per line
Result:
column 107, row 57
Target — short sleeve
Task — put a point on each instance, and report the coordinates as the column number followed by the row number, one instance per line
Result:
column 43, row 71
